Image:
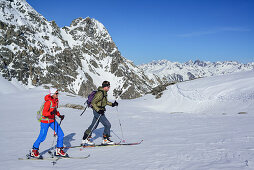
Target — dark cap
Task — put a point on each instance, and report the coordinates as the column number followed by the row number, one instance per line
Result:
column 105, row 84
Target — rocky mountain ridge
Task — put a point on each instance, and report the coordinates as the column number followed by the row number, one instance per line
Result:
column 75, row 58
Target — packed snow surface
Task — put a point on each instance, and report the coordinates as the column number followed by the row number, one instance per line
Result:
column 201, row 124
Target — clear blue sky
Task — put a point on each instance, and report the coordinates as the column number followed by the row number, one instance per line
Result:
column 176, row 30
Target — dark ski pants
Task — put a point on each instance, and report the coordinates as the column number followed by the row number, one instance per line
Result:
column 44, row 131
column 103, row 120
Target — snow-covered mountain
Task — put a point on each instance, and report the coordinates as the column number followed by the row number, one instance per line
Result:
column 168, row 71
column 75, row 58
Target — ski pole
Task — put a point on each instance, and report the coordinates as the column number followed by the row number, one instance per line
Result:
column 54, row 124
column 60, row 122
column 117, row 135
column 120, row 125
column 94, row 126
column 54, row 137
column 83, row 111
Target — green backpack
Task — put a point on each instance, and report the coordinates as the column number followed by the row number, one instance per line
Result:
column 39, row 112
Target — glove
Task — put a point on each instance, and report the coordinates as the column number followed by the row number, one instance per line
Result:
column 114, row 104
column 61, row 117
column 101, row 112
column 53, row 112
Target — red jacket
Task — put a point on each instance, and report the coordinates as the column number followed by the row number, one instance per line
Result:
column 49, row 105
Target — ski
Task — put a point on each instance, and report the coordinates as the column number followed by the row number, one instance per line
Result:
column 39, row 159
column 101, row 145
column 135, row 143
column 55, row 158
column 75, row 157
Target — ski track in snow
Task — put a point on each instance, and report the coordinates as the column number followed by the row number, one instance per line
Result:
column 173, row 139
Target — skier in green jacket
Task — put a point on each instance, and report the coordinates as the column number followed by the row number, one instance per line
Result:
column 98, row 104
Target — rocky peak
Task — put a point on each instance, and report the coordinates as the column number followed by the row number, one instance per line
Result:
column 75, row 58
column 200, row 63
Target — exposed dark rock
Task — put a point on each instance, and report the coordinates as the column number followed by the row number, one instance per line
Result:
column 70, row 58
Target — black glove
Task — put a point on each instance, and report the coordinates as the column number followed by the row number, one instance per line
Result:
column 101, row 112
column 53, row 112
column 114, row 104
column 61, row 117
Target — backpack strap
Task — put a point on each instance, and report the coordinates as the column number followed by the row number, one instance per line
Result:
column 43, row 117
column 102, row 94
column 102, row 97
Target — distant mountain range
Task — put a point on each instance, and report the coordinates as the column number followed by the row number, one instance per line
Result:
column 168, row 71
column 77, row 58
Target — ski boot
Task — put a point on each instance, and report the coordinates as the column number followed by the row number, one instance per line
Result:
column 59, row 152
column 87, row 140
column 34, row 153
column 106, row 140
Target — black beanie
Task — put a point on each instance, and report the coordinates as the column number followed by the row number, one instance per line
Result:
column 105, row 84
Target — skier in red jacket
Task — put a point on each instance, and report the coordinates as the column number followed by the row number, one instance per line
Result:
column 48, row 120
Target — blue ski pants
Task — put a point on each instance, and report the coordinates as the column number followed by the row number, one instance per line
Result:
column 44, row 131
column 104, row 121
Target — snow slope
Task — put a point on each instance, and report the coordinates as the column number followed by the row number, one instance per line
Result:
column 208, row 95
column 194, row 125
column 10, row 87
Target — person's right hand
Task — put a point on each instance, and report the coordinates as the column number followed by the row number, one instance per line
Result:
column 53, row 112
column 61, row 117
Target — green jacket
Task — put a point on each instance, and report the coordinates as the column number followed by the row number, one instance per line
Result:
column 100, row 100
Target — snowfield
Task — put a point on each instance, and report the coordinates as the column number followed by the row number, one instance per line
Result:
column 198, row 125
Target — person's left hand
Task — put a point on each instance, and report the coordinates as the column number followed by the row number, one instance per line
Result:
column 61, row 117
column 114, row 104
